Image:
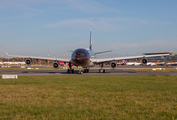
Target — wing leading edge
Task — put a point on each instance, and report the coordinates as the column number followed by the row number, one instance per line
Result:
column 41, row 58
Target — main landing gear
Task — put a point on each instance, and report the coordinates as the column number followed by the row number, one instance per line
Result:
column 85, row 71
column 101, row 70
column 70, row 70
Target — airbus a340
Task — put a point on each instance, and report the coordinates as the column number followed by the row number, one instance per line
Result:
column 85, row 58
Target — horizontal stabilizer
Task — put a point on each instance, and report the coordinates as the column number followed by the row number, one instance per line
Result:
column 7, row 54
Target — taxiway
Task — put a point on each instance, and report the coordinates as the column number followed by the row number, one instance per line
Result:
column 121, row 71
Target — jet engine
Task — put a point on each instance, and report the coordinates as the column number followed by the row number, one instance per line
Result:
column 56, row 65
column 144, row 61
column 113, row 64
column 28, row 61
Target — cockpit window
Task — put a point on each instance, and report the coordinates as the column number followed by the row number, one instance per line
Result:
column 78, row 54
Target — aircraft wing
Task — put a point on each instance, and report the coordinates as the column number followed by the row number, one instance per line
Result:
column 41, row 58
column 126, row 58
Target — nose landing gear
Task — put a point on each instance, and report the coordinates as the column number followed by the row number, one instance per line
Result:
column 81, row 70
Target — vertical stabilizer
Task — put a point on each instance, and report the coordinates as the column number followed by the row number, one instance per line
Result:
column 90, row 46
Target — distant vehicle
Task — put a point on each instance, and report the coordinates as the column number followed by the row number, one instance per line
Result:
column 21, row 63
column 85, row 58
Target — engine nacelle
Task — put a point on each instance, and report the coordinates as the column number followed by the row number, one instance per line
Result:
column 144, row 61
column 113, row 65
column 56, row 65
column 28, row 61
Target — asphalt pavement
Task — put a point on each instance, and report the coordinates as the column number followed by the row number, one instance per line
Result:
column 119, row 71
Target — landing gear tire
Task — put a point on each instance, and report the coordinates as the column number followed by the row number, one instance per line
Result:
column 70, row 70
column 86, row 70
column 80, row 72
column 101, row 70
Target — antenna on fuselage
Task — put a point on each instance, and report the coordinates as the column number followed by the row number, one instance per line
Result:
column 90, row 46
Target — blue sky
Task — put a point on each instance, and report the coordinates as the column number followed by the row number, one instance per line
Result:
column 129, row 27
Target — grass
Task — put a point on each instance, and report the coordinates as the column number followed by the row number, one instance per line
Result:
column 86, row 97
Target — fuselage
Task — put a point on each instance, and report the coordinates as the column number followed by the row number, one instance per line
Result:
column 82, row 57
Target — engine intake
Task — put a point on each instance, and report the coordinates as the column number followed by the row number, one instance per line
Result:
column 144, row 61
column 113, row 65
column 28, row 61
column 56, row 65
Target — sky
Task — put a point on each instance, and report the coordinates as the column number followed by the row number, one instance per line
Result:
column 128, row 27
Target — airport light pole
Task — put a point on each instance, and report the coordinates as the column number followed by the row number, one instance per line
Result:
column 23, row 57
column 70, row 55
column 2, row 57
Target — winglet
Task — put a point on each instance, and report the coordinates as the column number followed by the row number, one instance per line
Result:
column 171, row 52
column 90, row 46
column 7, row 54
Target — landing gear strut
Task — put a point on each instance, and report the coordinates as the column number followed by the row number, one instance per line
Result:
column 70, row 69
column 80, row 70
column 101, row 70
column 86, row 70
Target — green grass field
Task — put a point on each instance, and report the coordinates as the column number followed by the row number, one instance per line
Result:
column 56, row 97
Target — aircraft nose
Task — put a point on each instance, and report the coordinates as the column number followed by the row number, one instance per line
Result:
column 80, row 57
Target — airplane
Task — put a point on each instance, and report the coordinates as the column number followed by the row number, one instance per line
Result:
column 86, row 58
column 151, row 64
column 160, row 63
column 171, row 64
column 13, row 63
column 132, row 63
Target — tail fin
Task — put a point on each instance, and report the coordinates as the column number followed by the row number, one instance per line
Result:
column 124, row 62
column 90, row 46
